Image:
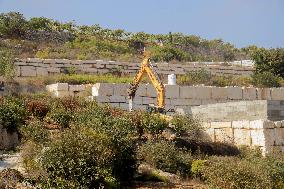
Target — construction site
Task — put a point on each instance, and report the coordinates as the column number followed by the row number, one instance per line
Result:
column 91, row 107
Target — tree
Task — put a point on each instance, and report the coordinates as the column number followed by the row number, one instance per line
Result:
column 13, row 25
column 7, row 69
column 271, row 60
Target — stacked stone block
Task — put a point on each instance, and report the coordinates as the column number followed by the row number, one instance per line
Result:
column 32, row 67
column 61, row 90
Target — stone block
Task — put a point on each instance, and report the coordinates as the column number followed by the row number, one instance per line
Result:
column 102, row 99
column 114, row 99
column 137, row 100
column 57, row 87
column 148, row 100
column 61, row 94
column 208, row 135
column 279, row 136
column 258, row 137
column 114, row 105
column 277, row 93
column 220, row 93
column 218, row 125
column 195, row 92
column 249, row 93
column 224, row 135
column 243, row 124
column 141, row 90
column 53, row 70
column 242, row 137
column 234, row 93
column 41, row 71
column 263, row 94
column 76, row 88
column 256, row 124
column 34, row 60
column 28, row 71
column 172, row 91
column 102, row 89
column 124, row 106
column 49, row 61
column 120, row 89
column 270, row 137
column 151, row 91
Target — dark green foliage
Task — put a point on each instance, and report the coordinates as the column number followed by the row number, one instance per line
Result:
column 233, row 173
column 185, row 125
column 269, row 60
column 12, row 25
column 165, row 156
column 81, row 156
column 12, row 113
column 35, row 131
column 266, row 79
column 153, row 124
column 7, row 69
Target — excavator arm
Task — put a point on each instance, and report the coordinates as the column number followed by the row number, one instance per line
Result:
column 147, row 68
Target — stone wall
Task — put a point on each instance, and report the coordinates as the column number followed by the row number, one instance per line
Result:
column 267, row 135
column 42, row 67
column 176, row 96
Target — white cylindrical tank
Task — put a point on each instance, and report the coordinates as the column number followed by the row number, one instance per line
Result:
column 172, row 79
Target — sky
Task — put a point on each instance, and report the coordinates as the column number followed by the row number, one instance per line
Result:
column 240, row 22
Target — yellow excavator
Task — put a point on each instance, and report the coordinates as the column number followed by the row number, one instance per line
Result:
column 146, row 67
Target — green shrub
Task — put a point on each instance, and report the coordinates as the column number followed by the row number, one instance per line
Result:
column 12, row 113
column 196, row 167
column 234, row 173
column 165, row 156
column 186, row 125
column 7, row 69
column 13, row 25
column 153, row 124
column 61, row 117
column 35, row 131
column 86, row 157
column 266, row 79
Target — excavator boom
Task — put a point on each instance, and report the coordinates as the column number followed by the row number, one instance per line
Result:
column 147, row 68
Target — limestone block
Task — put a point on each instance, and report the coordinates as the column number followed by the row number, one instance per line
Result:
column 63, row 61
column 279, row 136
column 258, row 137
column 151, row 91
column 270, row 137
column 195, row 92
column 249, row 93
column 277, row 93
column 76, row 87
column 148, row 100
column 206, row 125
column 114, row 99
column 102, row 99
column 102, row 89
column 139, row 107
column 208, row 134
column 263, row 94
column 137, row 100
column 218, row 125
column 114, row 105
column 172, row 91
column 28, row 71
column 18, row 71
column 235, row 93
column 79, row 93
column 141, row 90
column 49, row 61
column 57, row 87
column 242, row 137
column 53, row 70
column 256, row 124
column 243, row 124
column 120, row 89
column 220, row 93
column 224, row 135
column 34, row 60
column 61, row 94
column 185, row 102
column 124, row 106
column 41, row 71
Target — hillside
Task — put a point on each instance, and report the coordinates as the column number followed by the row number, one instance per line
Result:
column 46, row 38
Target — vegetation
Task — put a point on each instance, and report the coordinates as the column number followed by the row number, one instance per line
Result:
column 98, row 146
column 46, row 38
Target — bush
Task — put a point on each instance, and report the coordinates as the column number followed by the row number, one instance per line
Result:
column 234, row 173
column 7, row 69
column 86, row 157
column 37, row 108
column 196, row 167
column 186, row 125
column 165, row 156
column 266, row 79
column 35, row 131
column 152, row 123
column 12, row 114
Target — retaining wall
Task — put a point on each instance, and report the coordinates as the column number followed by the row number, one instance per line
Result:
column 42, row 67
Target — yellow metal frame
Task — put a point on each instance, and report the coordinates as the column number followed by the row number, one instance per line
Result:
column 146, row 67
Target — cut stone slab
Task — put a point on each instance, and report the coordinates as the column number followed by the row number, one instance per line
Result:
column 102, row 89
